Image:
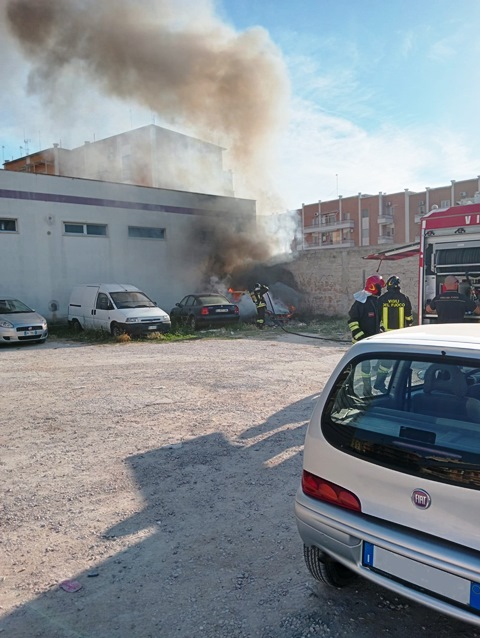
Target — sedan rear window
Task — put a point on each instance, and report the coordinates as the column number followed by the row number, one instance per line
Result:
column 419, row 416
column 213, row 299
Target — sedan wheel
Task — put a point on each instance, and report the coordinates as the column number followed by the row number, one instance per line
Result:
column 325, row 569
column 192, row 323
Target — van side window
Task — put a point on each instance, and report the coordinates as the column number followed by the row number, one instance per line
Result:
column 103, row 302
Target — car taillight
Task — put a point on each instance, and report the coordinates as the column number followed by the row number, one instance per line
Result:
column 204, row 311
column 323, row 490
column 236, row 310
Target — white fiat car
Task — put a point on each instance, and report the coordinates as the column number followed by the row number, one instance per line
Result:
column 391, row 476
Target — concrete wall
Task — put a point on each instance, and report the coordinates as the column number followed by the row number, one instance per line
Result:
column 329, row 278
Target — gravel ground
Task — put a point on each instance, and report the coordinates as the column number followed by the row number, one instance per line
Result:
column 161, row 477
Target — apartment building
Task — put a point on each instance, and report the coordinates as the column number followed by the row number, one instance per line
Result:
column 148, row 156
column 376, row 220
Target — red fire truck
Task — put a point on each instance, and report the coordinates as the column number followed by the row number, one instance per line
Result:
column 449, row 245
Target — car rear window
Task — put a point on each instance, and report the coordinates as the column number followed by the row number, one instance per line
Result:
column 213, row 299
column 414, row 415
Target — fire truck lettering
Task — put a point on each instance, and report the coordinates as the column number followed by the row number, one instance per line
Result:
column 467, row 219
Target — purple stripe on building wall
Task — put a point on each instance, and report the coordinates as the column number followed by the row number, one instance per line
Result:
column 110, row 203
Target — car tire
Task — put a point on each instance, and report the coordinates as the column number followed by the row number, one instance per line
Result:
column 325, row 569
column 116, row 330
column 192, row 323
column 76, row 326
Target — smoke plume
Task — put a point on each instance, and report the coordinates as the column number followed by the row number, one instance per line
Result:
column 179, row 60
column 174, row 57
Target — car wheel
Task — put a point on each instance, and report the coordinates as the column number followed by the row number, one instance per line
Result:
column 41, row 341
column 76, row 327
column 192, row 323
column 325, row 569
column 116, row 330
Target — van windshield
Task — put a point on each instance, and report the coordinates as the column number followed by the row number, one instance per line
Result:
column 131, row 300
column 418, row 416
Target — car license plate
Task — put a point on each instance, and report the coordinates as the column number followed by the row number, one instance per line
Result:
column 152, row 327
column 222, row 309
column 430, row 578
column 29, row 333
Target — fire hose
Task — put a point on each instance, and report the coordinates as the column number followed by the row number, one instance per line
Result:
column 298, row 334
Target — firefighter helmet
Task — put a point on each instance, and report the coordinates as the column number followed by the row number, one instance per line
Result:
column 374, row 285
column 393, row 283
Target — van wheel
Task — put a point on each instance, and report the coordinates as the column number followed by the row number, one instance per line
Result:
column 325, row 569
column 76, row 327
column 116, row 330
column 192, row 323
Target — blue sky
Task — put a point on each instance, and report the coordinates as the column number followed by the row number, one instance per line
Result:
column 384, row 95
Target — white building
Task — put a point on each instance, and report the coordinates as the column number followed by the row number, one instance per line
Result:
column 56, row 232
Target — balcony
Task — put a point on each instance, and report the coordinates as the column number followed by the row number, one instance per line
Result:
column 385, row 239
column 323, row 227
column 385, row 219
column 346, row 243
column 418, row 217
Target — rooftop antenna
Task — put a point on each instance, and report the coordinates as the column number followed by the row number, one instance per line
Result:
column 26, row 141
column 336, row 176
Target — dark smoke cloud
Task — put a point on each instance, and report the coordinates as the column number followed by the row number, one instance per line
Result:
column 220, row 250
column 175, row 57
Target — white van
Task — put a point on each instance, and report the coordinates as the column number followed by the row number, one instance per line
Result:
column 115, row 308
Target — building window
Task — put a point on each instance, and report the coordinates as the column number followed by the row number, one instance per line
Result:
column 146, row 232
column 445, row 203
column 72, row 228
column 365, row 230
column 8, row 225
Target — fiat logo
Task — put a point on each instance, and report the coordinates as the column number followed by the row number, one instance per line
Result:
column 421, row 499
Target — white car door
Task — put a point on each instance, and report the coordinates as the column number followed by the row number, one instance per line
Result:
column 103, row 308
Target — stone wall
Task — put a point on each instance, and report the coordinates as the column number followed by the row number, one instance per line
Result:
column 328, row 278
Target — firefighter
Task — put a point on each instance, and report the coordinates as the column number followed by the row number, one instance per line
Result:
column 365, row 319
column 258, row 297
column 396, row 310
column 396, row 307
column 450, row 305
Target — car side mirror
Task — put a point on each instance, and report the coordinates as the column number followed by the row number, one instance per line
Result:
column 179, row 305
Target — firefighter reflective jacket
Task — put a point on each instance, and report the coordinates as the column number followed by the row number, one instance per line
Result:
column 396, row 310
column 258, row 298
column 364, row 318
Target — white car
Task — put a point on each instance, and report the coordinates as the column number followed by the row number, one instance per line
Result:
column 19, row 323
column 390, row 488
